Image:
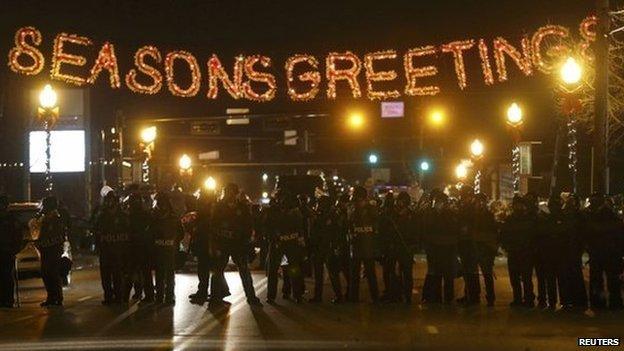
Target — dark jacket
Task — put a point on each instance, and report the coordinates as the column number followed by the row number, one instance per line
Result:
column 364, row 231
column 52, row 231
column 518, row 233
column 441, row 228
column 11, row 237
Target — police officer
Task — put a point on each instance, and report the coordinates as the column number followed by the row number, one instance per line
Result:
column 405, row 243
column 363, row 238
column 388, row 249
column 10, row 244
column 550, row 236
column 340, row 257
column 285, row 231
column 140, row 248
column 111, row 230
column 232, row 225
column 467, row 248
column 604, row 239
column 532, row 204
column 517, row 240
column 200, row 246
column 486, row 236
column 323, row 235
column 166, row 230
column 50, row 245
column 441, row 233
column 574, row 292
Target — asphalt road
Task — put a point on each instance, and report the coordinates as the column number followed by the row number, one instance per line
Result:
column 83, row 323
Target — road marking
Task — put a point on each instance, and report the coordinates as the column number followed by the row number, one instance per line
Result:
column 82, row 299
column 432, row 329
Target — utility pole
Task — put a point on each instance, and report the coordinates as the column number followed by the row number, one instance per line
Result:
column 601, row 120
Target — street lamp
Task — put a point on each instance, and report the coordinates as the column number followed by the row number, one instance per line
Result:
column 265, row 177
column 435, row 118
column 185, row 163
column 355, row 121
column 514, row 120
column 48, row 113
column 571, row 73
column 476, row 151
column 148, row 136
column 373, row 159
column 210, row 184
column 461, row 171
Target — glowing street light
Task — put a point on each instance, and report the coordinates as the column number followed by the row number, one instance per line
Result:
column 148, row 135
column 461, row 171
column 355, row 121
column 185, row 162
column 48, row 113
column 210, row 184
column 514, row 115
column 571, row 71
column 437, row 118
column 476, row 149
column 424, row 166
column 265, row 177
column 47, row 97
column 373, row 159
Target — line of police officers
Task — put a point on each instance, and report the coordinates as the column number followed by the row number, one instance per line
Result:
column 347, row 237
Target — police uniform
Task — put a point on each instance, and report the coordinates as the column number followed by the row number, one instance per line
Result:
column 286, row 238
column 50, row 245
column 323, row 234
column 166, row 230
column 517, row 240
column 232, row 225
column 364, row 241
column 113, row 239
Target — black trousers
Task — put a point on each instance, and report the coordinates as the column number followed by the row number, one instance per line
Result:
column 7, row 279
column 294, row 254
column 405, row 276
column 203, row 274
column 240, row 257
column 51, row 272
column 572, row 283
column 371, row 277
column 320, row 261
column 145, row 269
column 112, row 274
column 441, row 272
column 485, row 258
column 470, row 270
column 390, row 277
column 605, row 265
column 520, row 266
column 550, row 261
column 164, row 267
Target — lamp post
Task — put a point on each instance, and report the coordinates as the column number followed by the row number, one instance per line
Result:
column 515, row 120
column 571, row 73
column 461, row 171
column 48, row 113
column 435, row 118
column 185, row 164
column 476, row 151
column 148, row 136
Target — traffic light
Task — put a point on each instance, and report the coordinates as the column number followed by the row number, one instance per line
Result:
column 373, row 158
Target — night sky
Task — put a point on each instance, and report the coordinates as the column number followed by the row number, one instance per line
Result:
column 281, row 28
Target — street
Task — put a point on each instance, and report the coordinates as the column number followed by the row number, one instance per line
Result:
column 83, row 323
